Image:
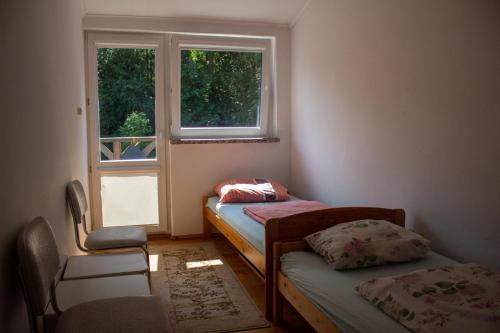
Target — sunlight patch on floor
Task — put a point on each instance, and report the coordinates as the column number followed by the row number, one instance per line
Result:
column 153, row 262
column 203, row 263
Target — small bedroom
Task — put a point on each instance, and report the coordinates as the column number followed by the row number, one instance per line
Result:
column 264, row 166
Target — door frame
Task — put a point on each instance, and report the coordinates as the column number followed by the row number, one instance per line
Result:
column 95, row 40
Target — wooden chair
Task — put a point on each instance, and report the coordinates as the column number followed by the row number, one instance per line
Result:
column 103, row 238
column 111, row 304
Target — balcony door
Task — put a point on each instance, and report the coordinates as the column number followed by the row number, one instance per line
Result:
column 126, row 130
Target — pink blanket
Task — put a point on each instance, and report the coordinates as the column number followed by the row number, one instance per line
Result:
column 262, row 214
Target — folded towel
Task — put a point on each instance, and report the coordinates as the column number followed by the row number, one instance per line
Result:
column 262, row 214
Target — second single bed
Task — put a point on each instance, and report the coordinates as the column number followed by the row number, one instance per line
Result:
column 333, row 292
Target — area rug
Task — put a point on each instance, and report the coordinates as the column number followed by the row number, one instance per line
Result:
column 199, row 290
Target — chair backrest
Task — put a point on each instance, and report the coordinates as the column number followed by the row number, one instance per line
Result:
column 39, row 263
column 77, row 200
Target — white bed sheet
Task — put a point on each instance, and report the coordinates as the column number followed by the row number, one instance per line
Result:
column 247, row 227
column 332, row 291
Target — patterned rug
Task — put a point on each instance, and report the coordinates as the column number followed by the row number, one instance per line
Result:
column 199, row 290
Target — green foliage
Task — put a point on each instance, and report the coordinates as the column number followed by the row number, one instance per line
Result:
column 126, row 84
column 136, row 124
column 220, row 88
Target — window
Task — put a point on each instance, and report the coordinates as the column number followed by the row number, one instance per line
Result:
column 220, row 87
column 126, row 92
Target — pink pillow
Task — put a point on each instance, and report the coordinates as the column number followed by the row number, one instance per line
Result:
column 251, row 190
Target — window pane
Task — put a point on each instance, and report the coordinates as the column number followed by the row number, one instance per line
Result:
column 220, row 88
column 126, row 81
column 129, row 199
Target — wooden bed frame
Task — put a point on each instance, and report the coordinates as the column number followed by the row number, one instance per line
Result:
column 284, row 289
column 293, row 227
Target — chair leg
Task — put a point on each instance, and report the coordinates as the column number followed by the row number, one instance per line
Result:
column 146, row 254
column 149, row 281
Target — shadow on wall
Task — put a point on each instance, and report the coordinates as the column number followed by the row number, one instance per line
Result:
column 301, row 186
column 12, row 297
column 420, row 227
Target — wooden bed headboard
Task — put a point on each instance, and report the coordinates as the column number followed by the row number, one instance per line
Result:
column 300, row 225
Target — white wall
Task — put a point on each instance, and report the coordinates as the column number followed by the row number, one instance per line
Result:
column 43, row 139
column 196, row 168
column 396, row 103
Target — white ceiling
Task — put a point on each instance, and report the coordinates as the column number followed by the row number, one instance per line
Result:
column 271, row 11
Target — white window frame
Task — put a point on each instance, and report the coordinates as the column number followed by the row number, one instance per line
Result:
column 158, row 165
column 182, row 42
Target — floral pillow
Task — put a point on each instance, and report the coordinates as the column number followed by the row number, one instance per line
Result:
column 367, row 243
column 462, row 298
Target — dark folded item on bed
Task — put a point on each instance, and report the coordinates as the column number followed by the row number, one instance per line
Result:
column 262, row 214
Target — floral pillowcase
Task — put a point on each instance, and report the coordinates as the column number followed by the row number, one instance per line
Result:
column 367, row 243
column 462, row 298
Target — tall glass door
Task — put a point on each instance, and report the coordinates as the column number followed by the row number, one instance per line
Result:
column 126, row 131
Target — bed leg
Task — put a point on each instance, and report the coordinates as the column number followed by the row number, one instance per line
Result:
column 277, row 307
column 207, row 228
column 277, row 297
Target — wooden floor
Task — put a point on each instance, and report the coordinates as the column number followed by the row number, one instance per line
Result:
column 252, row 282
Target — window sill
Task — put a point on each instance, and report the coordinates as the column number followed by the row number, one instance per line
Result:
column 186, row 141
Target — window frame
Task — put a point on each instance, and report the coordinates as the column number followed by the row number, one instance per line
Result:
column 210, row 43
column 159, row 165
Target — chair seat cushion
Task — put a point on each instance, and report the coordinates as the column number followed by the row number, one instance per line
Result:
column 124, row 314
column 116, row 237
column 101, row 265
column 73, row 292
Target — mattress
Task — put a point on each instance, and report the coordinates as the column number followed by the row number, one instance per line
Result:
column 332, row 291
column 247, row 227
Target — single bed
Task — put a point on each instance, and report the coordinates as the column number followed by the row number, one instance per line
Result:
column 248, row 228
column 325, row 297
column 332, row 292
column 252, row 238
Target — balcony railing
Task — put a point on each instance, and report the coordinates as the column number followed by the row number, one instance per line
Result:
column 127, row 148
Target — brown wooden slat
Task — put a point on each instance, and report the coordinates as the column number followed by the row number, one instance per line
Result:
column 107, row 152
column 149, row 148
column 117, row 150
column 309, row 311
